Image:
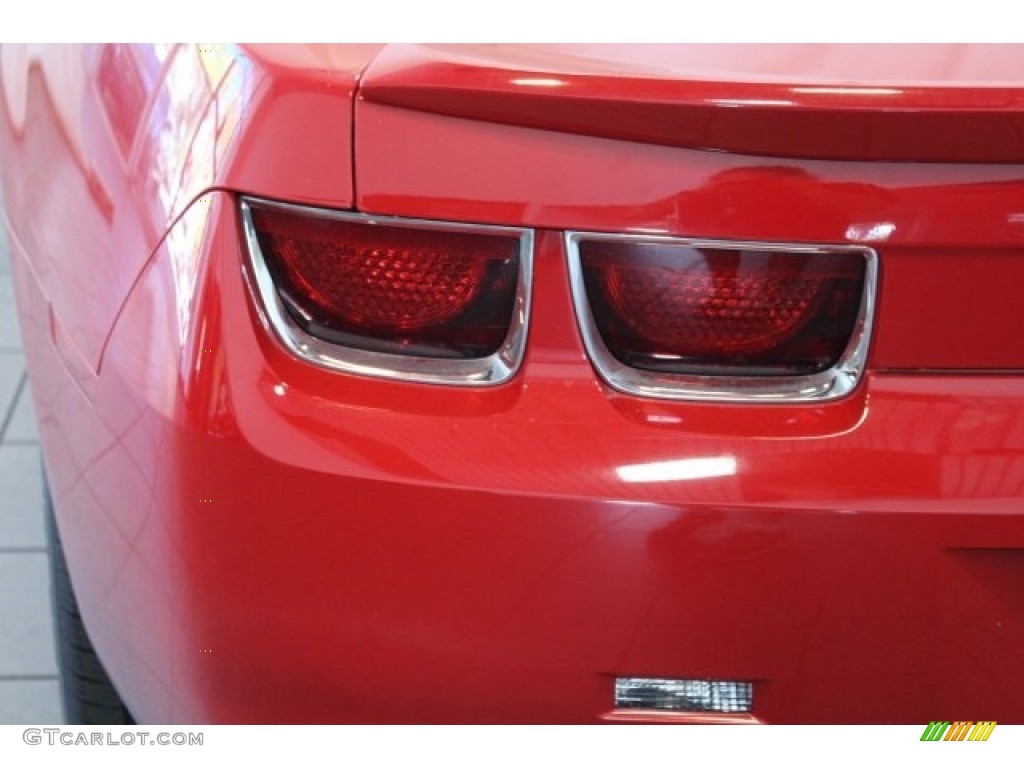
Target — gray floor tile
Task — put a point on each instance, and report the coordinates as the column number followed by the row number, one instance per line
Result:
column 26, row 629
column 22, row 425
column 21, row 498
column 29, row 702
column 12, row 368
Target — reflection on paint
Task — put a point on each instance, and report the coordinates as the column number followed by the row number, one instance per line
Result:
column 679, row 469
column 870, row 232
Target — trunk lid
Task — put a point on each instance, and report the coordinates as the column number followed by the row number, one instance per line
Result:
column 926, row 103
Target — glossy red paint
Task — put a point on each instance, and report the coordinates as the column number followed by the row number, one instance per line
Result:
column 120, row 177
column 254, row 539
column 930, row 103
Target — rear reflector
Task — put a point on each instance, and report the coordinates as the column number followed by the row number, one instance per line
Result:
column 722, row 320
column 419, row 300
column 724, row 696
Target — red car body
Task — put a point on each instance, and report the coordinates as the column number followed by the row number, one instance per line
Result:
column 253, row 538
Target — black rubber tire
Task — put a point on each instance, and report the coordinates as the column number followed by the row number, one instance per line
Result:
column 88, row 696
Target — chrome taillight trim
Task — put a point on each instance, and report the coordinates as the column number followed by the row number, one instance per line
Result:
column 477, row 372
column 837, row 382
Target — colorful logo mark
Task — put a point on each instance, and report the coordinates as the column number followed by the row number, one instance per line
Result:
column 960, row 730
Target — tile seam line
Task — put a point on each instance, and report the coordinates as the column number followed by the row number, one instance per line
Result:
column 9, row 415
column 27, row 678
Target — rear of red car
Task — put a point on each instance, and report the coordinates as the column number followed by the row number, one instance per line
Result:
column 536, row 384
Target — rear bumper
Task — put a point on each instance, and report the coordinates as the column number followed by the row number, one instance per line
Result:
column 360, row 600
column 254, row 540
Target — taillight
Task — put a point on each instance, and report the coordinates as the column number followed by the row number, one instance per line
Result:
column 400, row 298
column 724, row 321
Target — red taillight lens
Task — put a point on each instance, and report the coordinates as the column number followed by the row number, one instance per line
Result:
column 430, row 292
column 675, row 308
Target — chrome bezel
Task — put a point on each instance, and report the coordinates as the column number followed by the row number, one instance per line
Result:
column 473, row 372
column 832, row 384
